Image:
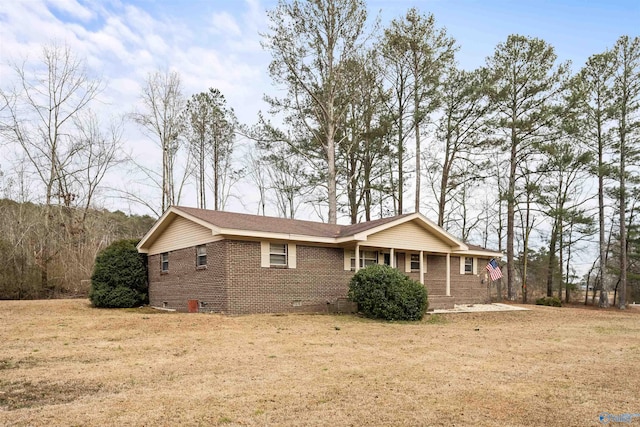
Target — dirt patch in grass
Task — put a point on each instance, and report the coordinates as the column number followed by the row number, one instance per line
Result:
column 65, row 363
column 26, row 394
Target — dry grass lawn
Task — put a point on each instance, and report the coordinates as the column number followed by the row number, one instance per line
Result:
column 65, row 363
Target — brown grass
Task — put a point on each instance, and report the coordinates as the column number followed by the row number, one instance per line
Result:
column 65, row 363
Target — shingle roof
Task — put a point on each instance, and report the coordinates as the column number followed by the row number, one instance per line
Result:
column 239, row 221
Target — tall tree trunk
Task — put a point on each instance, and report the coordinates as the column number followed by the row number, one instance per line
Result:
column 552, row 259
column 511, row 215
column 331, row 171
column 622, row 295
column 604, row 296
column 400, row 163
column 216, row 175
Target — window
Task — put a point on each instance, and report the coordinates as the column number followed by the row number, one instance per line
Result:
column 468, row 265
column 415, row 262
column 278, row 254
column 201, row 256
column 366, row 258
column 164, row 262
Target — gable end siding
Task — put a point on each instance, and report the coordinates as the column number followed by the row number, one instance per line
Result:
column 181, row 233
column 408, row 236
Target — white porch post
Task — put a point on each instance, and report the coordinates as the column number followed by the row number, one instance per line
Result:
column 392, row 258
column 357, row 257
column 448, row 288
column 421, row 268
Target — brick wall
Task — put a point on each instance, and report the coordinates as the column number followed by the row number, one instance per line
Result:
column 465, row 288
column 184, row 281
column 235, row 283
column 435, row 279
column 468, row 288
column 319, row 278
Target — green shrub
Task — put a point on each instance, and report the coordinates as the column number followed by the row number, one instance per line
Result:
column 550, row 301
column 119, row 277
column 382, row 292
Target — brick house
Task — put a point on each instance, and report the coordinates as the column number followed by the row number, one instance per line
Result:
column 202, row 260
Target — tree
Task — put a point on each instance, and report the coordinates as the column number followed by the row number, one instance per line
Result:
column 592, row 100
column 460, row 129
column 41, row 114
column 564, row 168
column 626, row 90
column 210, row 133
column 525, row 84
column 361, row 156
column 163, row 102
column 310, row 42
column 418, row 54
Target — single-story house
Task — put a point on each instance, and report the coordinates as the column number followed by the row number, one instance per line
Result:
column 203, row 260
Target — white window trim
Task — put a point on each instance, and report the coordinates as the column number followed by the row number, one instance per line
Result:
column 474, row 268
column 290, row 255
column 278, row 254
column 198, row 256
column 162, row 255
column 350, row 255
column 411, row 269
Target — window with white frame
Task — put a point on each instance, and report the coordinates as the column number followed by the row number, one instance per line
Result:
column 164, row 262
column 278, row 254
column 468, row 265
column 415, row 262
column 201, row 256
column 366, row 258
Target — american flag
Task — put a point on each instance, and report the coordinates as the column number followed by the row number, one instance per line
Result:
column 494, row 270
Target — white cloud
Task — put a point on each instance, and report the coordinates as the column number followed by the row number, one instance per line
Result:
column 225, row 24
column 73, row 8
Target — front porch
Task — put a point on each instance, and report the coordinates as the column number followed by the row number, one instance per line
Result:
column 450, row 278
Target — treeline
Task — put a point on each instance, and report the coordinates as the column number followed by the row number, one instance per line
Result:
column 71, row 247
column 525, row 154
column 520, row 154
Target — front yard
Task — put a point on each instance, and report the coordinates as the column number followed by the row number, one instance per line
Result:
column 65, row 363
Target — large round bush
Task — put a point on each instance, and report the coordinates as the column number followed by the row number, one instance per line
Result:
column 383, row 292
column 119, row 276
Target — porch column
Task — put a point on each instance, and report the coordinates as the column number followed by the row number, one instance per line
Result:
column 392, row 258
column 421, row 268
column 357, row 257
column 448, row 288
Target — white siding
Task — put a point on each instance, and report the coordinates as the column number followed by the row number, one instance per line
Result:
column 408, row 236
column 181, row 233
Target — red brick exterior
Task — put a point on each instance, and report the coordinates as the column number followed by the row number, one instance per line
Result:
column 233, row 281
column 184, row 281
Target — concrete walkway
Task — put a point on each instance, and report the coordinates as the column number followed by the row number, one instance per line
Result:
column 474, row 308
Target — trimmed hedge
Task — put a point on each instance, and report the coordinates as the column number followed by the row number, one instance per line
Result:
column 119, row 277
column 550, row 301
column 383, row 292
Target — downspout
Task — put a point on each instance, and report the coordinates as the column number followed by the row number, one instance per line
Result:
column 448, row 281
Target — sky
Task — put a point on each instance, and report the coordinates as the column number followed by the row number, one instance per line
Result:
column 215, row 43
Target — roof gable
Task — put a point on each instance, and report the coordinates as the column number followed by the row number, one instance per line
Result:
column 229, row 224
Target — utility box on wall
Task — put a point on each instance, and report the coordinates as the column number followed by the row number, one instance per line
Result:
column 193, row 305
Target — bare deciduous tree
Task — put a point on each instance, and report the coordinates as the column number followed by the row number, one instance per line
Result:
column 163, row 102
